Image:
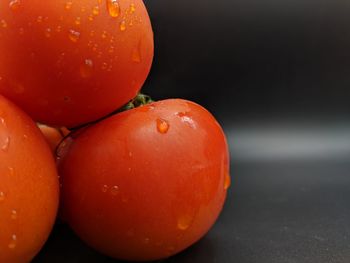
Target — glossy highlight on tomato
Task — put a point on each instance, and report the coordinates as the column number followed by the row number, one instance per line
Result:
column 29, row 186
column 146, row 183
column 69, row 62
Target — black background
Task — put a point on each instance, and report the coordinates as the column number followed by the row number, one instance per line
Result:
column 276, row 74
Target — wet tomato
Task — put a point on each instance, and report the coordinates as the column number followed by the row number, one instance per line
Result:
column 148, row 182
column 28, row 186
column 68, row 62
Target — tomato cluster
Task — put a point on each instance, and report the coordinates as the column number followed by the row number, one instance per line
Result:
column 140, row 180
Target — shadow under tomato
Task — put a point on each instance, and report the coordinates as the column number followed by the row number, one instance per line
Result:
column 64, row 246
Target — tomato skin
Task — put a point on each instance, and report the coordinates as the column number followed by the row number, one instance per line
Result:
column 146, row 183
column 29, row 186
column 65, row 70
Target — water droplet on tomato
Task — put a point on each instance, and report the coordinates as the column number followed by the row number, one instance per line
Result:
column 39, row 19
column 122, row 25
column 186, row 119
column 92, row 33
column 14, row 5
column 68, row 5
column 227, row 182
column 21, row 31
column 113, row 8
column 111, row 49
column 48, row 32
column 86, row 68
column 184, row 222
column 104, row 34
column 104, row 188
column 83, row 9
column 114, row 190
column 3, row 23
column 11, row 170
column 13, row 214
column 132, row 8
column 2, row 196
column 95, row 10
column 162, row 126
column 13, row 242
column 5, row 143
column 104, row 66
column 74, row 35
column 58, row 29
column 136, row 56
column 91, row 17
column 77, row 21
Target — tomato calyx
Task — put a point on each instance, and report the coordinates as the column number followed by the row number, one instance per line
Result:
column 138, row 101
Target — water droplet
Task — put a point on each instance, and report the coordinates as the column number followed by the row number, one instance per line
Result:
column 14, row 5
column 13, row 242
column 95, row 48
column 227, row 182
column 3, row 23
column 162, row 126
column 11, row 170
column 132, row 8
column 39, row 19
column 122, row 25
column 186, row 119
column 95, row 10
column 5, row 144
column 104, row 66
column 48, row 32
column 2, row 196
column 58, row 29
column 184, row 222
column 21, row 31
column 113, row 8
column 74, row 35
column 91, row 17
column 104, row 34
column 111, row 49
column 114, row 190
column 83, row 9
column 136, row 56
column 86, row 68
column 77, row 21
column 68, row 5
column 92, row 33
column 146, row 240
column 13, row 214
column 104, row 188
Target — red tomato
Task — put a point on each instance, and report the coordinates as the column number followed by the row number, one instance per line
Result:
column 146, row 183
column 70, row 62
column 28, row 186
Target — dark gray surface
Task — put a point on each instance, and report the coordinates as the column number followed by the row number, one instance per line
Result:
column 283, row 207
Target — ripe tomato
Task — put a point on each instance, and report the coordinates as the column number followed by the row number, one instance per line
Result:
column 28, row 186
column 53, row 135
column 148, row 182
column 68, row 62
